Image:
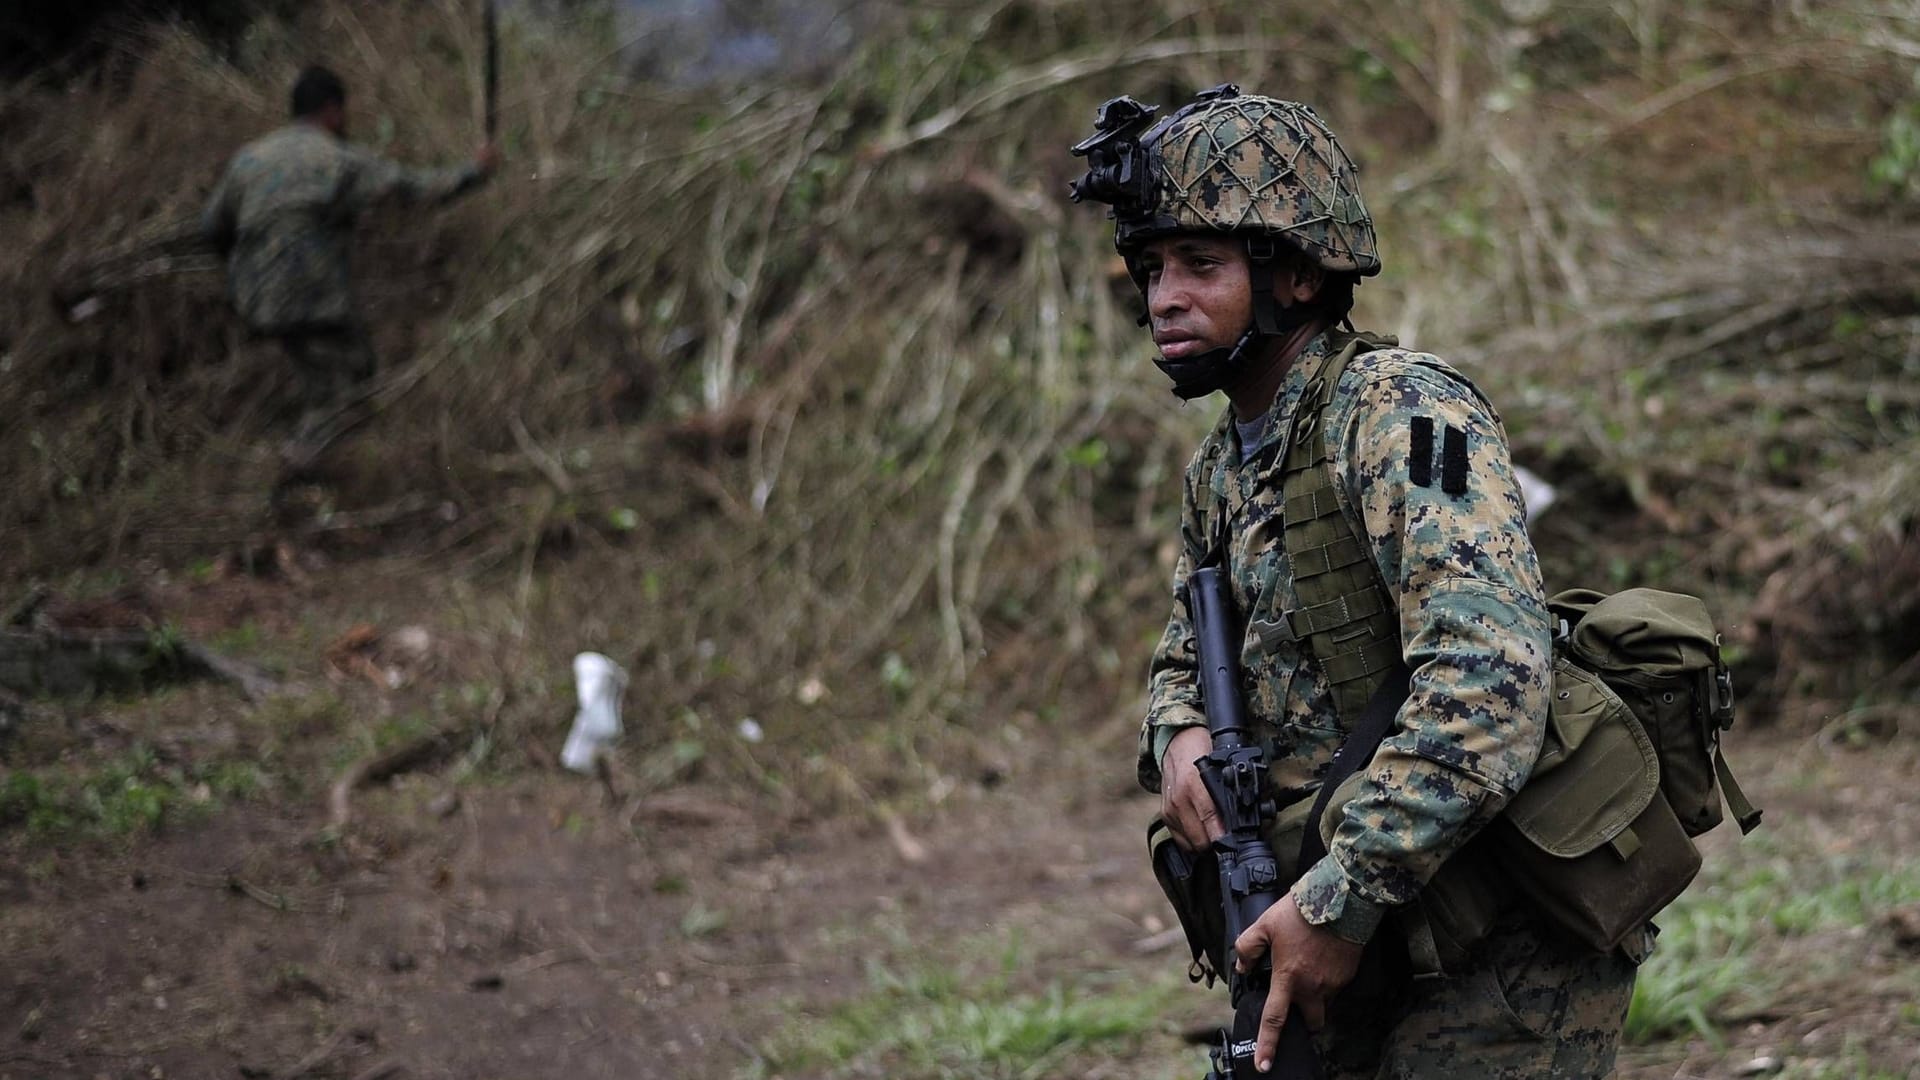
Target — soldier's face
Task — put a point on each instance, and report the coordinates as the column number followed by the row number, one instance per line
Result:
column 1197, row 293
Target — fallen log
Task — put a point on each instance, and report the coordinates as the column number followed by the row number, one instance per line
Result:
column 84, row 663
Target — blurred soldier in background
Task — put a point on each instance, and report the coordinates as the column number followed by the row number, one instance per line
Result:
column 1347, row 467
column 282, row 217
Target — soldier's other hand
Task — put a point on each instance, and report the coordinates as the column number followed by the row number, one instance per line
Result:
column 1185, row 805
column 1310, row 965
column 487, row 158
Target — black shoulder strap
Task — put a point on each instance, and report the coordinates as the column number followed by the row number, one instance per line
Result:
column 1354, row 753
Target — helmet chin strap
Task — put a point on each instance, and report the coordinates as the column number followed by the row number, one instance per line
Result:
column 1211, row 370
column 1267, row 312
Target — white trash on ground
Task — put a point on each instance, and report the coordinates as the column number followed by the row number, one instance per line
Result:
column 600, row 683
column 1537, row 492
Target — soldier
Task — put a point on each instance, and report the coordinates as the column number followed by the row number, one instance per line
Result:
column 283, row 217
column 1239, row 219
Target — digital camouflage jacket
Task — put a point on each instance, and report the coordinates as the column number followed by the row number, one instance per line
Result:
column 283, row 216
column 1425, row 476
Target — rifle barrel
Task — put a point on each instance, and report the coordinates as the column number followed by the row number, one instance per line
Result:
column 1218, row 655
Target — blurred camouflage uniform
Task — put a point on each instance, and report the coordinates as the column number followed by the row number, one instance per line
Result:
column 283, row 217
column 1421, row 467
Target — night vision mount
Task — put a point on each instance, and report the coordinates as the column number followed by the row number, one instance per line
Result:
column 1119, row 171
column 1119, row 161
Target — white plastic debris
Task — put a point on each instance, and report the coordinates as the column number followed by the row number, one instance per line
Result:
column 751, row 730
column 811, row 691
column 1537, row 492
column 600, row 683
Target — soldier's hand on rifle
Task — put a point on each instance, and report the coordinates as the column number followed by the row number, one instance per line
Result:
column 487, row 158
column 1310, row 965
column 1184, row 803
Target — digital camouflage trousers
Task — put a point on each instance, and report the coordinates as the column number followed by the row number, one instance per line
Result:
column 1526, row 1006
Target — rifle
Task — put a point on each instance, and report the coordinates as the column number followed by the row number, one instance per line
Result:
column 1236, row 777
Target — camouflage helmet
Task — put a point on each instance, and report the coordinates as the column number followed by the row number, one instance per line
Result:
column 1230, row 162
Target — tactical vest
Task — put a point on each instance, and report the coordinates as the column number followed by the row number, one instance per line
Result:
column 1346, row 620
column 1630, row 769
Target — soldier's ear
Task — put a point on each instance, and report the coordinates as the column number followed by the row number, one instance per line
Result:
column 1300, row 284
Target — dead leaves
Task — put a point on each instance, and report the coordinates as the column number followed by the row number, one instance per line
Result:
column 388, row 661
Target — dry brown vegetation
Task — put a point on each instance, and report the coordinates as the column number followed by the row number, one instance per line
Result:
column 845, row 332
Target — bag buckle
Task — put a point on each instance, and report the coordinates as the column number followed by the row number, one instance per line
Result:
column 1723, row 698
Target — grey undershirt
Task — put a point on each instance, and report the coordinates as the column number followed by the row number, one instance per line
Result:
column 1251, row 432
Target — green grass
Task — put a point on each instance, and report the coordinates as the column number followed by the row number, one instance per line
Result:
column 237, row 640
column 294, row 718
column 1717, row 940
column 365, row 738
column 938, row 1021
column 129, row 795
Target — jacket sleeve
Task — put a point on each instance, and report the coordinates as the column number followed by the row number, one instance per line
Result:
column 1426, row 467
column 368, row 179
column 1173, row 689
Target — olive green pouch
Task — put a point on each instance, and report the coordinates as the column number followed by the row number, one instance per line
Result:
column 1591, row 838
column 1659, row 652
column 1600, row 835
column 1191, row 882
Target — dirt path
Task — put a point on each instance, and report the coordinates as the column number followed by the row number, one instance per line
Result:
column 540, row 930
column 523, row 934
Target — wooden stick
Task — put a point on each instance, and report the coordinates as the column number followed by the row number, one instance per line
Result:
column 382, row 766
